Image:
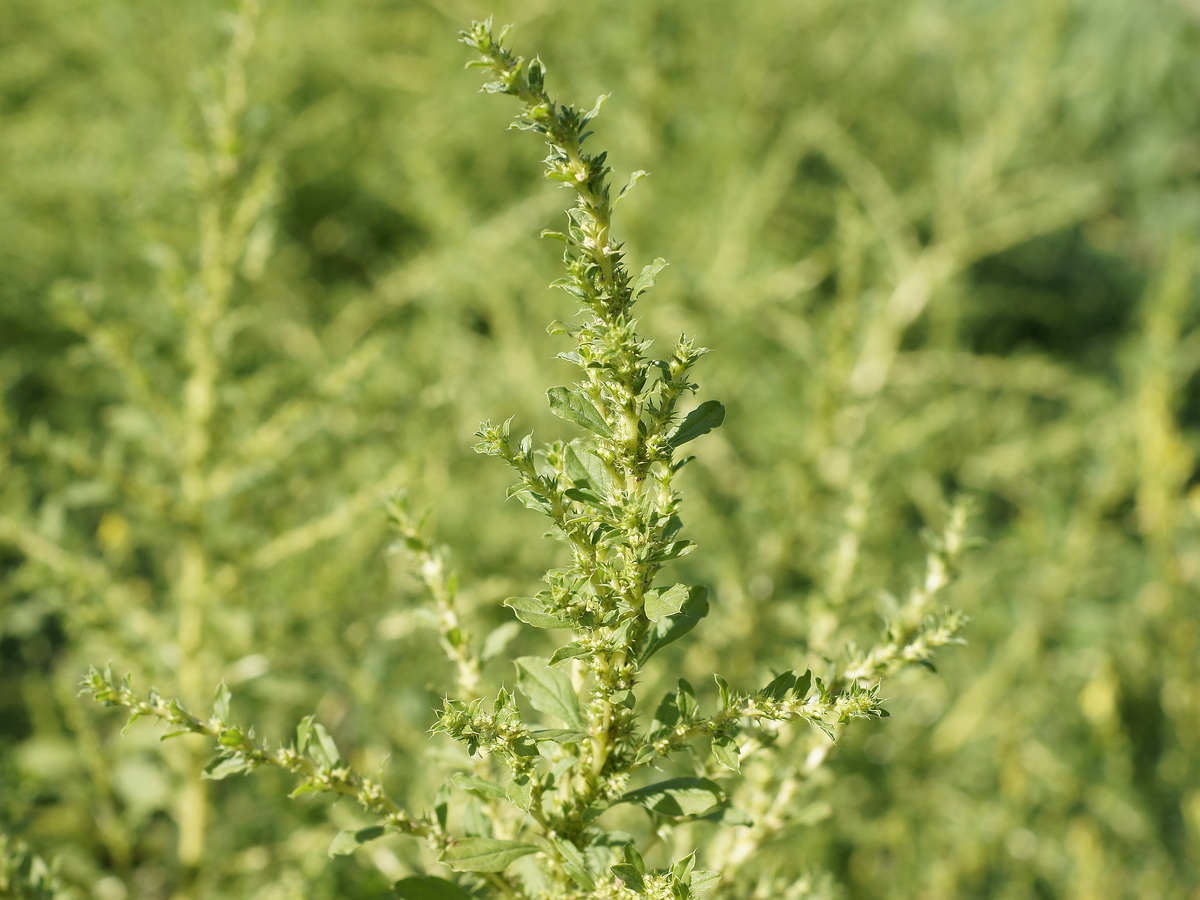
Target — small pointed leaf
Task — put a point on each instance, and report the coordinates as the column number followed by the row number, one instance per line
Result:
column 645, row 279
column 779, row 686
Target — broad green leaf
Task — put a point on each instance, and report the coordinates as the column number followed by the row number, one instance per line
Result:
column 484, row 854
column 584, row 495
column 426, row 887
column 557, row 735
column 348, row 841
column 674, row 550
column 520, row 792
column 803, row 683
column 645, row 279
column 474, row 784
column 530, row 499
column 580, row 465
column 725, row 751
column 677, row 797
column 728, row 815
column 498, row 640
column 666, row 715
column 570, row 651
column 701, row 420
column 779, row 686
column 224, row 766
column 304, row 734
column 632, row 858
column 704, row 882
column 630, row 876
column 574, row 407
column 549, row 690
column 660, row 604
column 674, row 627
column 537, row 612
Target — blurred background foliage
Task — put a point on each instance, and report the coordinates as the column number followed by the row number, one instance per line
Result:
column 261, row 267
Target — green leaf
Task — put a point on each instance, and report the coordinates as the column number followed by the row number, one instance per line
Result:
column 480, row 787
column 441, row 804
column 221, row 702
column 727, row 815
column 645, row 279
column 685, row 700
column 557, row 735
column 674, row 627
column 304, row 733
column 585, row 467
column 520, row 792
column 678, row 797
column 704, row 882
column 779, row 686
column 633, row 179
column 536, row 611
column 224, row 766
column 660, row 604
column 426, row 887
column 549, row 690
column 725, row 751
column 682, row 869
column 324, row 751
column 574, row 407
column 574, row 863
column 630, row 876
column 498, row 640
column 701, row 420
column 570, row 651
column 632, row 858
column 725, row 692
column 484, row 854
column 346, row 842
column 803, row 683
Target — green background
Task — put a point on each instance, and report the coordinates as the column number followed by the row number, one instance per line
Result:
column 940, row 249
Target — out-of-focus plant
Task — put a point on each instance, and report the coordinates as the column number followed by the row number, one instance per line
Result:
column 176, row 528
column 23, row 874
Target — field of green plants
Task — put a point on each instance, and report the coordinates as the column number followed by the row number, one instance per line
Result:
column 266, row 268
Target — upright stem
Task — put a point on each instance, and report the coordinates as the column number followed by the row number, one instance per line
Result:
column 219, row 252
